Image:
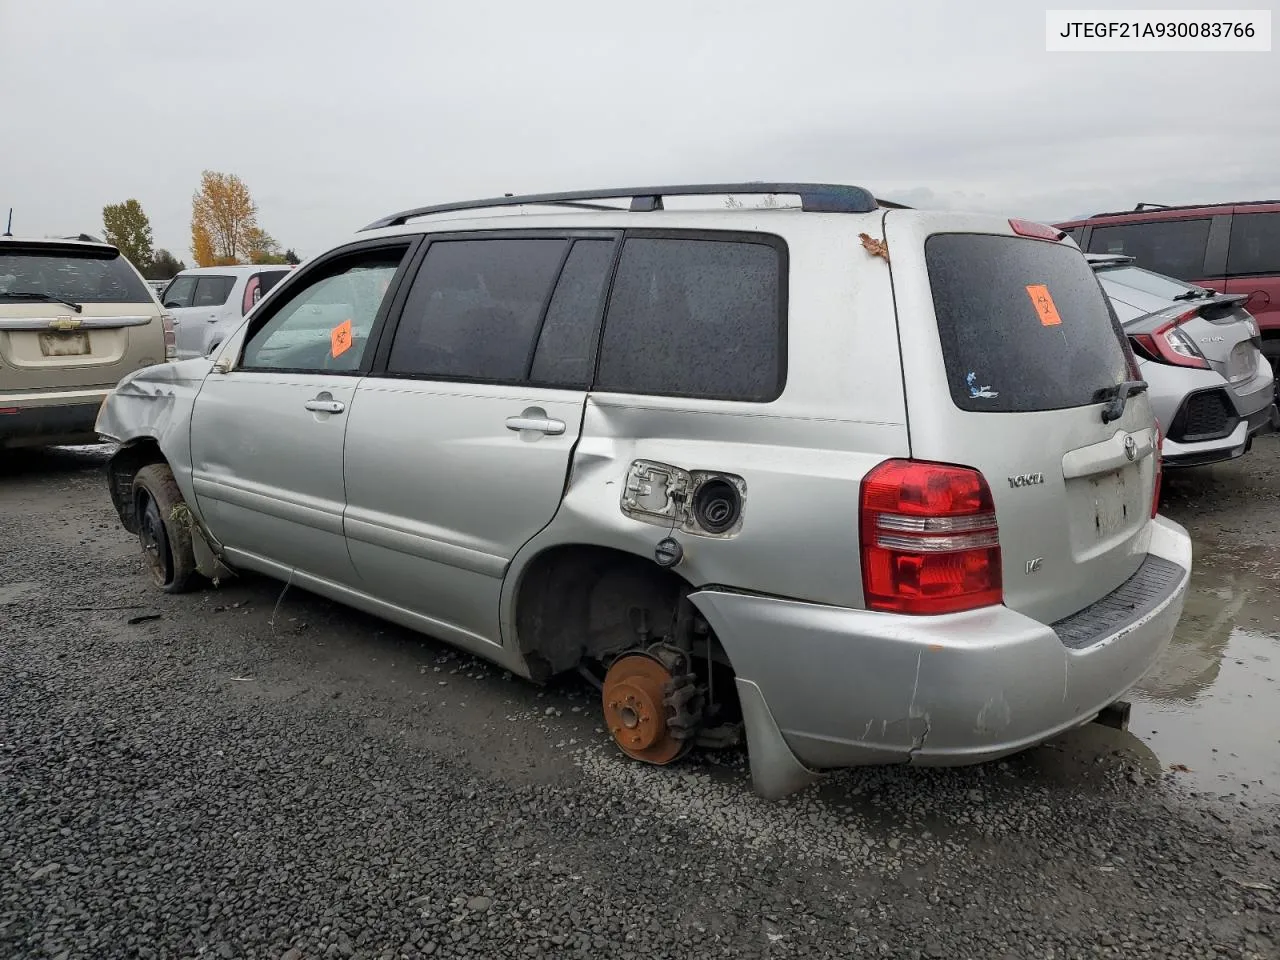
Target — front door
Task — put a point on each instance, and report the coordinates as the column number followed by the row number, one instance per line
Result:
column 267, row 436
column 460, row 439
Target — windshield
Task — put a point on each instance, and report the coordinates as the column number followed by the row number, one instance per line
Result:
column 1023, row 324
column 76, row 276
column 1153, row 283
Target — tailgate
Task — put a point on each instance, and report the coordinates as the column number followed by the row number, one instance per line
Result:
column 1009, row 352
column 47, row 347
column 73, row 314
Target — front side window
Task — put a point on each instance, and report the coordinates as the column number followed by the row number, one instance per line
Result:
column 325, row 323
column 180, row 292
column 475, row 308
column 695, row 318
column 1255, row 244
column 1175, row 248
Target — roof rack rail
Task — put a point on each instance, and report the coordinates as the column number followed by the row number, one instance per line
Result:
column 814, row 198
column 1151, row 206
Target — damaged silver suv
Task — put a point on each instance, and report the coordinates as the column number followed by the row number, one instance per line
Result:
column 857, row 483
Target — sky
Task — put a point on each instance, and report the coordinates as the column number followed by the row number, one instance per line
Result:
column 336, row 112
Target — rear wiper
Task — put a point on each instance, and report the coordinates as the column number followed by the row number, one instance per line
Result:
column 44, row 297
column 1117, row 397
column 1196, row 294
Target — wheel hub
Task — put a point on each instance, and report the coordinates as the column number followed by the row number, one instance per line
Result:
column 635, row 710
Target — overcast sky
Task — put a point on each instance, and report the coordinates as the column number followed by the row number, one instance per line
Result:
column 334, row 112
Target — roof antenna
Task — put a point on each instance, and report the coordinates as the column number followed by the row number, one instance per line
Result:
column 8, row 231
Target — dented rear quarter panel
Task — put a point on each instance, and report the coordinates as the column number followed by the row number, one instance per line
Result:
column 802, row 456
column 155, row 404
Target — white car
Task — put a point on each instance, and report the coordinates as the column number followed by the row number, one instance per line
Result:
column 208, row 302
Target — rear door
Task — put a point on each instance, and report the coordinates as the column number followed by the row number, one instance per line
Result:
column 108, row 326
column 1009, row 348
column 458, row 448
column 194, row 324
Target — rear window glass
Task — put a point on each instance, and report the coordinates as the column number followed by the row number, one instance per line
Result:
column 1172, row 247
column 76, row 276
column 1138, row 279
column 1023, row 324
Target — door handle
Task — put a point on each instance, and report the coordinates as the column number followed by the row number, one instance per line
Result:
column 325, row 406
column 540, row 424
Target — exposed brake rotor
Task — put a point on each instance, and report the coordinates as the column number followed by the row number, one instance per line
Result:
column 652, row 705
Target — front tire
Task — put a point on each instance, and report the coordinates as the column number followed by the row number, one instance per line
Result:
column 165, row 540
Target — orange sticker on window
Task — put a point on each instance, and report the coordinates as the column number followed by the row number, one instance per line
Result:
column 1044, row 304
column 340, row 338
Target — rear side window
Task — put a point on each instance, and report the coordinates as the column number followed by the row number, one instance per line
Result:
column 474, row 310
column 1023, row 324
column 1172, row 247
column 34, row 273
column 179, row 292
column 696, row 318
column 567, row 344
column 258, row 286
column 212, row 291
column 1255, row 244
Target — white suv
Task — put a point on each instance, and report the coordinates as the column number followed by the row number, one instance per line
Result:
column 207, row 302
column 865, row 484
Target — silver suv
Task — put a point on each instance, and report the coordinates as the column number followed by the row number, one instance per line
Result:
column 859, row 483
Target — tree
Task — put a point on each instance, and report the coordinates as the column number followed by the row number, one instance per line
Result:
column 224, row 220
column 163, row 266
column 127, row 229
column 291, row 257
column 263, row 248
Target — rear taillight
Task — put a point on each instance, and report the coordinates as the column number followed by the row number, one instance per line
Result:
column 1169, row 344
column 1038, row 231
column 1155, row 496
column 929, row 539
column 250, row 298
column 170, row 337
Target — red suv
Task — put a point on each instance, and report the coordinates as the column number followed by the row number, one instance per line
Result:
column 1231, row 247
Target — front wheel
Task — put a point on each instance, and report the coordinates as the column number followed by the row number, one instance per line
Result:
column 165, row 537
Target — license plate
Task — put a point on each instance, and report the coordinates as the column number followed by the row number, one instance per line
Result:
column 69, row 344
column 1110, row 504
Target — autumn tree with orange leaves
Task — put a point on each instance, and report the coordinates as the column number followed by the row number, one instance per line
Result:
column 224, row 221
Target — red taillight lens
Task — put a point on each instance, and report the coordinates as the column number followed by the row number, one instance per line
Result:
column 170, row 337
column 929, row 539
column 1155, row 497
column 1029, row 228
column 1168, row 344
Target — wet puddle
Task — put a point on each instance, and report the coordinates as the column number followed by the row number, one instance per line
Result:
column 1212, row 704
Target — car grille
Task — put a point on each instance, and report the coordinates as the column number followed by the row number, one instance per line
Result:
column 1242, row 362
column 1207, row 415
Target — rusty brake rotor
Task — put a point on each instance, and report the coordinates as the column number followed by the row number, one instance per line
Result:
column 635, row 709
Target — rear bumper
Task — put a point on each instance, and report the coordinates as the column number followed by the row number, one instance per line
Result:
column 843, row 687
column 33, row 420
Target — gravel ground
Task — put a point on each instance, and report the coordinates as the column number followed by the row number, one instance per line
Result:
column 250, row 773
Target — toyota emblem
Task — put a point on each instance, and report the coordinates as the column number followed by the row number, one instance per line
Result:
column 1130, row 448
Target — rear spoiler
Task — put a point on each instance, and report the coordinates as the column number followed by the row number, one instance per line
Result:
column 1181, row 312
